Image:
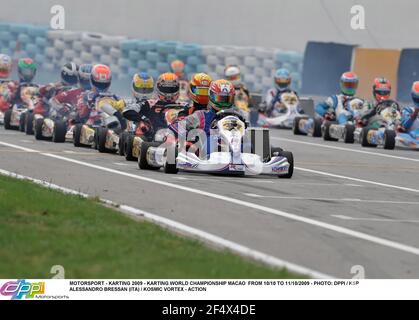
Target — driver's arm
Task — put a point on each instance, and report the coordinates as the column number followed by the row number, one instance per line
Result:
column 323, row 107
column 194, row 121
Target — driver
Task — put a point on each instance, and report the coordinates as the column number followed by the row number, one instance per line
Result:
column 338, row 106
column 282, row 81
column 410, row 121
column 232, row 73
column 6, row 85
column 99, row 99
column 221, row 97
column 198, row 92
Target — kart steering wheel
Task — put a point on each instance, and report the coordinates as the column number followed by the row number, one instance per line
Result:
column 230, row 112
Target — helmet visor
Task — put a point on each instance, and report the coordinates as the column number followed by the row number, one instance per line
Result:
column 200, row 91
column 383, row 92
column 222, row 100
column 349, row 84
column 234, row 77
column 169, row 89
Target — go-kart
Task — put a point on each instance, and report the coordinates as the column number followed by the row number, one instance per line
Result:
column 307, row 126
column 381, row 128
column 20, row 116
column 230, row 152
column 56, row 126
column 131, row 139
column 409, row 139
column 332, row 130
column 283, row 114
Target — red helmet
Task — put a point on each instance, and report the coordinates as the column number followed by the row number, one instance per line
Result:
column 177, row 67
column 101, row 77
column 221, row 95
column 381, row 89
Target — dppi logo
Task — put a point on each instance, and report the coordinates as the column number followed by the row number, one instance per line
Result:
column 21, row 288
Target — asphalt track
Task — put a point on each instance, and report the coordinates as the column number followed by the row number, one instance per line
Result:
column 345, row 206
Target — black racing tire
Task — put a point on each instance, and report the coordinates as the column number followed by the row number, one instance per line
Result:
column 295, row 126
column 22, row 121
column 77, row 135
column 121, row 144
column 290, row 158
column 348, row 135
column 276, row 151
column 142, row 157
column 101, row 139
column 171, row 168
column 8, row 119
column 128, row 147
column 39, row 123
column 364, row 138
column 326, row 133
column 29, row 121
column 317, row 128
column 59, row 132
column 389, row 139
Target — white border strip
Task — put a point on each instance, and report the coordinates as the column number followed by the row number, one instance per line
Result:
column 184, row 229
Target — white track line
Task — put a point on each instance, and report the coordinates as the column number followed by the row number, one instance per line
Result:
column 371, row 219
column 345, row 149
column 283, row 214
column 253, row 195
column 357, row 180
column 186, row 230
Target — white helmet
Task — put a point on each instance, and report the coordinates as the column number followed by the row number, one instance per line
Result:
column 232, row 74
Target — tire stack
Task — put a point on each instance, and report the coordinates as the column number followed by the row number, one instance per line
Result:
column 155, row 57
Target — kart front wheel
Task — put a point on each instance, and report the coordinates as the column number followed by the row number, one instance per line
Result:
column 77, row 135
column 296, row 126
column 8, row 119
column 317, row 128
column 39, row 123
column 29, row 123
column 348, row 134
column 364, row 138
column 326, row 132
column 22, row 121
column 128, row 146
column 171, row 168
column 290, row 158
column 101, row 140
column 389, row 139
column 142, row 157
column 121, row 144
column 59, row 132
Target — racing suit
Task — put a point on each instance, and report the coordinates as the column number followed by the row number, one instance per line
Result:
column 273, row 97
column 70, row 96
column 91, row 104
column 410, row 120
column 340, row 107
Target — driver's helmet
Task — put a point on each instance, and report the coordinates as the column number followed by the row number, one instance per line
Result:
column 199, row 87
column 381, row 89
column 101, row 77
column 70, row 74
column 221, row 95
column 85, row 71
column 178, row 68
column 349, row 83
column 26, row 69
column 232, row 73
column 5, row 66
column 415, row 93
column 282, row 79
column 167, row 87
column 142, row 86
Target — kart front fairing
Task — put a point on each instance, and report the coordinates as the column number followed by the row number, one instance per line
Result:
column 409, row 139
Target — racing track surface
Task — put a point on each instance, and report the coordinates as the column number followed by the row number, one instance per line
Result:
column 345, row 206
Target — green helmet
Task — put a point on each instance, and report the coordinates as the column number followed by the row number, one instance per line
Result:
column 26, row 69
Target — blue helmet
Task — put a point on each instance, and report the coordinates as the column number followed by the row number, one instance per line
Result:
column 282, row 79
column 85, row 71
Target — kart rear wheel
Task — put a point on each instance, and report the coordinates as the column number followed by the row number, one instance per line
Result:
column 142, row 157
column 171, row 168
column 348, row 134
column 59, row 132
column 128, row 144
column 389, row 139
column 39, row 123
column 29, row 123
column 326, row 133
column 364, row 138
column 101, row 140
column 77, row 134
column 22, row 122
column 290, row 158
column 295, row 126
column 317, row 128
column 8, row 119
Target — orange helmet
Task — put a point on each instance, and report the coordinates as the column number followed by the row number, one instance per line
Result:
column 167, row 87
column 198, row 88
column 221, row 95
column 177, row 67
